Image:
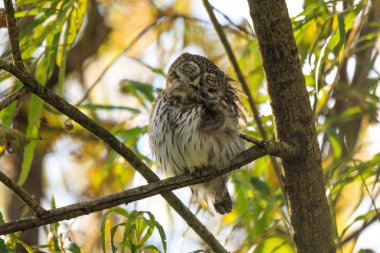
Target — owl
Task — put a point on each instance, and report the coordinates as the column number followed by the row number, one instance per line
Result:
column 194, row 125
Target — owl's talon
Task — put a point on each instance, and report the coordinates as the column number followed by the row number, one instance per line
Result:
column 265, row 144
column 199, row 172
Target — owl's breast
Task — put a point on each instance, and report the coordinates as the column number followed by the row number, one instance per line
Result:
column 180, row 146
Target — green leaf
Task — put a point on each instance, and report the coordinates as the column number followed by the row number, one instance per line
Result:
column 6, row 115
column 3, row 248
column 35, row 110
column 130, row 227
column 151, row 224
column 335, row 143
column 76, row 20
column 103, row 230
column 73, row 24
column 118, row 210
column 152, row 248
column 342, row 36
column 260, row 185
column 114, row 246
column 1, row 218
column 108, row 107
column 73, row 247
column 130, row 135
column 366, row 251
column 25, row 2
column 32, row 25
column 364, row 217
column 34, row 12
column 154, row 70
column 161, row 231
column 23, row 244
column 136, row 88
column 62, row 58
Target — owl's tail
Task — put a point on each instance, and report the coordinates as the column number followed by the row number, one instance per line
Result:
column 223, row 203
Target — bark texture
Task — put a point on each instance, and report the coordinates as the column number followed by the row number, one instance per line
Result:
column 294, row 123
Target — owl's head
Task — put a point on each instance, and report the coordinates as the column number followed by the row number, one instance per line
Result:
column 196, row 75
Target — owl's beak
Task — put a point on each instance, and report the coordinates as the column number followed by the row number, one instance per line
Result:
column 197, row 81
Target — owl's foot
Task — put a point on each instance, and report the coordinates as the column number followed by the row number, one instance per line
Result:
column 223, row 205
column 199, row 172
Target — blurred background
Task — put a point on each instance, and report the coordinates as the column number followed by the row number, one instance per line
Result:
column 109, row 58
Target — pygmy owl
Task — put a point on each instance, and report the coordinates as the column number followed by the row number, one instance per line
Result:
column 194, row 125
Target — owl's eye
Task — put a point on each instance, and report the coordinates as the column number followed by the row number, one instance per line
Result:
column 189, row 69
column 209, row 79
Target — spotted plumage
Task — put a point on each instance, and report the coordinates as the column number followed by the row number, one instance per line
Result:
column 194, row 125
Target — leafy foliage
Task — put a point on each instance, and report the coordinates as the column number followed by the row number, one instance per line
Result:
column 338, row 47
column 136, row 230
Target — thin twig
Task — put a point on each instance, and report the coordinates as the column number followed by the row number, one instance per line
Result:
column 366, row 188
column 250, row 139
column 239, row 27
column 13, row 34
column 357, row 232
column 127, row 196
column 22, row 194
column 351, row 155
column 16, row 95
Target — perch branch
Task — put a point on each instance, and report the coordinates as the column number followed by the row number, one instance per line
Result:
column 127, row 196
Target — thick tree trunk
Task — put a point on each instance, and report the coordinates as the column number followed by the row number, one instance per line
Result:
column 294, row 123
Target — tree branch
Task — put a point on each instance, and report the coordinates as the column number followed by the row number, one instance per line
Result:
column 13, row 34
column 64, row 107
column 127, row 196
column 16, row 95
column 72, row 112
column 22, row 194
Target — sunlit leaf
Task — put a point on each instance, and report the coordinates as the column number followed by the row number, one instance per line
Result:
column 35, row 111
column 342, row 36
column 260, row 185
column 108, row 107
column 23, row 244
column 103, row 230
column 1, row 218
column 62, row 58
column 134, row 87
column 364, row 217
column 334, row 139
column 73, row 247
column 3, row 248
